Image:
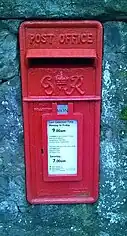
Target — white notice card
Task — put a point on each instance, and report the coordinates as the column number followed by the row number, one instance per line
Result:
column 62, row 147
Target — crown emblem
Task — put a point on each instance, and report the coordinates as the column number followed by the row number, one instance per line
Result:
column 60, row 79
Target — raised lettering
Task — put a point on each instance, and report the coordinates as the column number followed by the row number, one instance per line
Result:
column 43, row 38
column 74, row 39
column 78, row 85
column 68, row 39
column 38, row 38
column 61, row 38
column 90, row 38
column 32, row 37
column 75, row 84
column 83, row 38
column 78, row 39
column 47, row 84
column 50, row 36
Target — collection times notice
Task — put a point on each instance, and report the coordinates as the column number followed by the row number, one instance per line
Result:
column 62, row 147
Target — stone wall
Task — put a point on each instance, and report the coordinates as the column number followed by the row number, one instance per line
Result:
column 108, row 216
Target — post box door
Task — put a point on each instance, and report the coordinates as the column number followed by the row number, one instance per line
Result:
column 61, row 87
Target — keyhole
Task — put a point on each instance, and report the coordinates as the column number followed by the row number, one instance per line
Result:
column 42, row 150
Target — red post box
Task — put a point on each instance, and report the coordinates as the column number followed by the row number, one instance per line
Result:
column 61, row 65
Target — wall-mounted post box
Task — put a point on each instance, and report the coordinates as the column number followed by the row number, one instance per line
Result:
column 61, row 91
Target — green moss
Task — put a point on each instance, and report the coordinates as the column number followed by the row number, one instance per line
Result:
column 123, row 73
column 123, row 114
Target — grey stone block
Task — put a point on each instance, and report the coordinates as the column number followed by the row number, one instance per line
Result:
column 102, row 9
column 9, row 66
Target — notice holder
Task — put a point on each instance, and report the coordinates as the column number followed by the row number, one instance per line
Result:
column 62, row 145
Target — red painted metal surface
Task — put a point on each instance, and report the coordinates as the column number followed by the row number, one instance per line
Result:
column 61, row 64
column 61, row 53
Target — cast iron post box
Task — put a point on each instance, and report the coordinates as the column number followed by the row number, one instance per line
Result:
column 61, row 90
